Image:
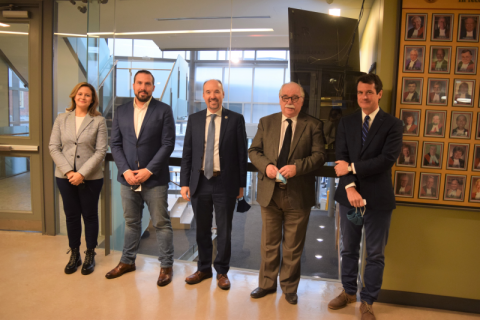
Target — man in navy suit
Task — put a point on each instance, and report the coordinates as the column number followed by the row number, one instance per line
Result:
column 368, row 144
column 213, row 175
column 142, row 140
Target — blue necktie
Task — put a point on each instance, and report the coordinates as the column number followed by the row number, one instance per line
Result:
column 208, row 170
column 365, row 129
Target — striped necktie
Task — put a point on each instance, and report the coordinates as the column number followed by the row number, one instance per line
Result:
column 365, row 129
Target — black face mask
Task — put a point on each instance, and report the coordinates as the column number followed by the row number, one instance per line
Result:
column 243, row 206
column 355, row 215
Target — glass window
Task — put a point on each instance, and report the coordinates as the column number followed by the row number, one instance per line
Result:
column 203, row 74
column 235, row 55
column 188, row 55
column 173, row 54
column 240, row 88
column 271, row 55
column 247, row 112
column 123, row 47
column 207, row 55
column 152, row 64
column 146, row 48
column 110, row 43
column 123, row 83
column 124, row 63
column 267, row 83
column 161, row 78
column 262, row 110
column 236, row 107
column 249, row 55
column 222, row 55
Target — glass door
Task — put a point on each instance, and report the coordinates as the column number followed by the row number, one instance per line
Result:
column 21, row 191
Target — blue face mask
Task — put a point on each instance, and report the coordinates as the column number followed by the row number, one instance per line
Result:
column 355, row 215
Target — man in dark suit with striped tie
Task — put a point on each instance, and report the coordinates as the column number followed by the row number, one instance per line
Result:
column 213, row 175
column 368, row 144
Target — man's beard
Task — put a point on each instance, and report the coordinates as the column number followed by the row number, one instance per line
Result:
column 137, row 95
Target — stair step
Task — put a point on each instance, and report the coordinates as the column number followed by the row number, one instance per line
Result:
column 172, row 199
column 187, row 216
column 178, row 209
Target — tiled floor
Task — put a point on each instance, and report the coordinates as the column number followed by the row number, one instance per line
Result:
column 34, row 286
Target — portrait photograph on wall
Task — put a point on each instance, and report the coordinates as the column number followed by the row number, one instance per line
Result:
column 475, row 189
column 429, row 186
column 408, row 155
column 454, row 187
column 468, row 27
column 414, row 57
column 477, row 136
column 412, row 90
column 476, row 158
column 461, row 124
column 432, row 155
column 442, row 27
column 457, row 156
column 411, row 121
column 464, row 92
column 466, row 62
column 435, row 123
column 415, row 26
column 437, row 92
column 404, row 184
column 440, row 58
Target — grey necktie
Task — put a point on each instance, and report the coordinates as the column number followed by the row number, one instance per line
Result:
column 208, row 170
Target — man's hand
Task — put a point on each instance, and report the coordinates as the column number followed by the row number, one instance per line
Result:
column 76, row 178
column 142, row 175
column 354, row 197
column 288, row 171
column 185, row 192
column 131, row 178
column 271, row 171
column 240, row 193
column 341, row 168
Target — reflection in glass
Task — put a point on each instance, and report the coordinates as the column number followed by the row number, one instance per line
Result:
column 14, row 97
column 15, row 194
column 239, row 88
column 267, row 83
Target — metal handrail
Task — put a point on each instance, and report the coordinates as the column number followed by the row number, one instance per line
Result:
column 110, row 71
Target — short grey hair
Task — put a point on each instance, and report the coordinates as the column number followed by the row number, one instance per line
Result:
column 299, row 86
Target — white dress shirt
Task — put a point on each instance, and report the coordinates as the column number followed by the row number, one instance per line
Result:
column 415, row 33
column 436, row 97
column 435, row 128
column 78, row 123
column 372, row 117
column 477, row 195
column 428, row 191
column 438, row 66
column 469, row 34
column 442, row 33
column 464, row 66
column 402, row 190
column 138, row 117
column 412, row 63
column 216, row 153
column 452, row 194
column 410, row 96
column 407, row 160
column 456, row 163
column 433, row 159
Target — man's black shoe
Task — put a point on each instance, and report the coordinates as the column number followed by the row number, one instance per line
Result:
column 291, row 298
column 260, row 293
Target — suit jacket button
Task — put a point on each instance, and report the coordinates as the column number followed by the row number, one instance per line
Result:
column 78, row 156
column 75, row 143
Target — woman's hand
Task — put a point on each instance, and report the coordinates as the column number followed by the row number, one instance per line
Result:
column 76, row 178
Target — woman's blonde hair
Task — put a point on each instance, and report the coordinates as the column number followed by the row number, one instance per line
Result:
column 92, row 108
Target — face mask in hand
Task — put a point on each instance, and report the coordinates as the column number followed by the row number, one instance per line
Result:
column 355, row 215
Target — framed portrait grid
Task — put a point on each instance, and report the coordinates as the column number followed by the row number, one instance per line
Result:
column 437, row 99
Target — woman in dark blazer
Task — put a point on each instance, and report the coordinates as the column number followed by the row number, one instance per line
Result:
column 78, row 144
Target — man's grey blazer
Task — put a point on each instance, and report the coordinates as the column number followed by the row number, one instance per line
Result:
column 307, row 153
column 84, row 151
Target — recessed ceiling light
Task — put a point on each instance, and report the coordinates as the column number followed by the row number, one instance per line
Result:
column 75, row 35
column 319, row 240
column 214, row 18
column 181, row 32
column 318, row 256
column 4, row 25
column 14, row 32
column 322, row 227
column 334, row 12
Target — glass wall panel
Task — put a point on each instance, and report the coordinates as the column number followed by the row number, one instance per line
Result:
column 267, row 83
column 123, row 47
column 15, row 192
column 205, row 73
column 238, row 87
column 124, row 86
column 262, row 110
column 14, row 104
column 207, row 55
column 271, row 55
column 146, row 48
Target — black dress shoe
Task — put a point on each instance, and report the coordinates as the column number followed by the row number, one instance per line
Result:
column 89, row 264
column 260, row 293
column 74, row 262
column 291, row 298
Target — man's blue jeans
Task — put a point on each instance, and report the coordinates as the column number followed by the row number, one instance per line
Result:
column 133, row 203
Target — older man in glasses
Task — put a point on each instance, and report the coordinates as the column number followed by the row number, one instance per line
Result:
column 287, row 148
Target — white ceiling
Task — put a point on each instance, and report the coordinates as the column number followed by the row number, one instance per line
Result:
column 141, row 15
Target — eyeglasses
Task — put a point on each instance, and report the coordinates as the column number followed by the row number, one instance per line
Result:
column 293, row 98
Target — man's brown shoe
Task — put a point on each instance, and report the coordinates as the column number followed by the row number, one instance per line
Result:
column 165, row 277
column 342, row 300
column 367, row 311
column 223, row 282
column 120, row 269
column 197, row 277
